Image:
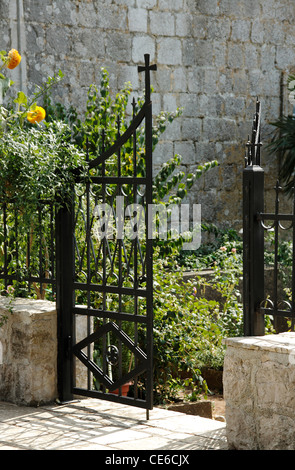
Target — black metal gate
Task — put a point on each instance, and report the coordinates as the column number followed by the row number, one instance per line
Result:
column 261, row 299
column 104, row 272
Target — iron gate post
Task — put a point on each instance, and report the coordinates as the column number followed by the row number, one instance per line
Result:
column 64, row 301
column 149, row 241
column 253, row 250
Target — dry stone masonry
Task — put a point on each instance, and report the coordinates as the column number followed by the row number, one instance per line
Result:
column 214, row 57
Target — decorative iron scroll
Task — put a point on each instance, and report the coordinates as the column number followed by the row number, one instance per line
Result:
column 273, row 222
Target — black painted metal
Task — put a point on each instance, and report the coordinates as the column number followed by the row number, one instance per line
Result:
column 65, row 300
column 279, row 222
column 27, row 260
column 109, row 285
column 253, row 234
column 254, row 228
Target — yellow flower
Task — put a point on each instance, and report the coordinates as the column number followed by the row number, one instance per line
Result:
column 14, row 59
column 36, row 115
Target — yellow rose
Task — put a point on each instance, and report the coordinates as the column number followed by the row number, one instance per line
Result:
column 14, row 59
column 36, row 115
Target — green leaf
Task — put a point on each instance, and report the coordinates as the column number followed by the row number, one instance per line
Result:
column 21, row 99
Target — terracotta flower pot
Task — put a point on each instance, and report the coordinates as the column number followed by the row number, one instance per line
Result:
column 124, row 389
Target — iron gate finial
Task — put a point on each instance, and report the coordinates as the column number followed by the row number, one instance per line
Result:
column 253, row 145
column 147, row 68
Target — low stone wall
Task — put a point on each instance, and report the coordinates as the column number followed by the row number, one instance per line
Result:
column 28, row 351
column 259, row 390
column 207, row 275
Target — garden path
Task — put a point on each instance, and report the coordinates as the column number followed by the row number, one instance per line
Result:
column 90, row 424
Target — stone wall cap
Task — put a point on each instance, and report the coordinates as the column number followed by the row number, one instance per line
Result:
column 282, row 342
column 27, row 305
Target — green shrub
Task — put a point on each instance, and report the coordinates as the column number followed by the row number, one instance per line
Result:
column 37, row 160
column 37, row 163
column 188, row 328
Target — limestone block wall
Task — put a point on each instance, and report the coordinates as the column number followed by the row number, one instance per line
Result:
column 214, row 58
column 28, row 351
column 259, row 390
column 28, row 360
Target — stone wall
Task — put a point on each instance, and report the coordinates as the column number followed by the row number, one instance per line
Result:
column 28, row 351
column 259, row 391
column 214, row 57
column 28, row 361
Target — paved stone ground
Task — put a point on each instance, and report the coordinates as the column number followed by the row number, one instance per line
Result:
column 90, row 424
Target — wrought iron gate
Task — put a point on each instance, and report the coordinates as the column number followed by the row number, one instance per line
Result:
column 259, row 299
column 104, row 275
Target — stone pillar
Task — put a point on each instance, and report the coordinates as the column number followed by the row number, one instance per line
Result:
column 259, row 390
column 28, row 351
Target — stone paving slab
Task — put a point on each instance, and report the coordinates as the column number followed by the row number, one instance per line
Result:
column 90, row 424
